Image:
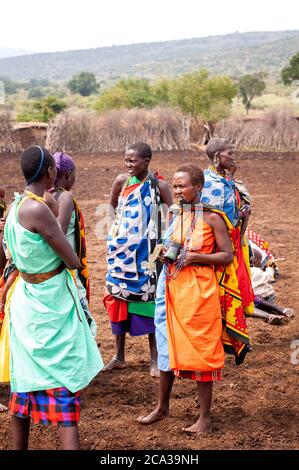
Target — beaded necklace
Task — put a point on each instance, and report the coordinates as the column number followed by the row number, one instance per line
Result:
column 34, row 196
column 179, row 264
column 214, row 170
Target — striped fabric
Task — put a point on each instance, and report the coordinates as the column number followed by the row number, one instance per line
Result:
column 209, row 376
column 57, row 406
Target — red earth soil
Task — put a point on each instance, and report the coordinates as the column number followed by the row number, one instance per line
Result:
column 254, row 407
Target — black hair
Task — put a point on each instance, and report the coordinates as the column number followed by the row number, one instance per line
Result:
column 195, row 173
column 142, row 149
column 31, row 160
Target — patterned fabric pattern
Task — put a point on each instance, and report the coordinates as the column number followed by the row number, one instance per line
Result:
column 64, row 163
column 219, row 193
column 132, row 238
column 260, row 244
column 80, row 239
column 236, row 297
column 198, row 376
column 2, row 285
column 57, row 406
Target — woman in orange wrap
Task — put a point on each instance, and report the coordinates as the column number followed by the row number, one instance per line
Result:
column 188, row 314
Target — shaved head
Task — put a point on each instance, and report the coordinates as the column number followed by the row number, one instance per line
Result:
column 217, row 145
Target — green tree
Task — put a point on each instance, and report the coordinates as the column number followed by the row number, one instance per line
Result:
column 112, row 98
column 203, row 98
column 126, row 93
column 36, row 83
column 10, row 87
column 46, row 108
column 291, row 73
column 160, row 91
column 84, row 83
column 138, row 92
column 251, row 86
column 37, row 92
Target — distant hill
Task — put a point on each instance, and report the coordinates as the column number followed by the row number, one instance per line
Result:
column 233, row 54
column 9, row 52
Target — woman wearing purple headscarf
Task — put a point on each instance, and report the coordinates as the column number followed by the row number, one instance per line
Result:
column 72, row 223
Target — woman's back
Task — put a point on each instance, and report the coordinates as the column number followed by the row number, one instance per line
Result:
column 30, row 252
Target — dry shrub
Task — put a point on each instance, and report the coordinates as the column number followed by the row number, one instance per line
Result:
column 277, row 131
column 161, row 128
column 198, row 132
column 7, row 143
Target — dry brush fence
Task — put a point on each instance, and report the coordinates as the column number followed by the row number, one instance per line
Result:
column 7, row 140
column 275, row 132
column 161, row 128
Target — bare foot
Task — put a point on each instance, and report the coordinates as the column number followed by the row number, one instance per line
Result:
column 202, row 426
column 156, row 415
column 154, row 371
column 114, row 364
column 3, row 408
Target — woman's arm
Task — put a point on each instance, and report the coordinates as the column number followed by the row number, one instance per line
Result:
column 66, row 206
column 244, row 223
column 116, row 189
column 3, row 259
column 224, row 254
column 166, row 196
column 2, row 255
column 42, row 221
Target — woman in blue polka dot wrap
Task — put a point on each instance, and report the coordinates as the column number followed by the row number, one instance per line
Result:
column 219, row 190
column 221, row 194
column 130, row 287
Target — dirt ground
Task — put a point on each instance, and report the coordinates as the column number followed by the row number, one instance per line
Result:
column 254, row 407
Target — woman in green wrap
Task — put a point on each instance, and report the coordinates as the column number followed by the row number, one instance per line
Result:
column 53, row 353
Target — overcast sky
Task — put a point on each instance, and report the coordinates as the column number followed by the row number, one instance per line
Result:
column 55, row 25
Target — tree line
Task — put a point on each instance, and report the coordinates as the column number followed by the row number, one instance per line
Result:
column 196, row 94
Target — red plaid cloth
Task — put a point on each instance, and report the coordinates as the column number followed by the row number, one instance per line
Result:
column 199, row 376
column 57, row 406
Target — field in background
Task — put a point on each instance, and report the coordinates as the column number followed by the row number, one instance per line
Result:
column 275, row 98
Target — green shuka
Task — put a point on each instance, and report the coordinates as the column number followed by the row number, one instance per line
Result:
column 50, row 340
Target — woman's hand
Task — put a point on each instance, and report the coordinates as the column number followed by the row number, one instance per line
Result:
column 161, row 255
column 245, row 211
column 190, row 258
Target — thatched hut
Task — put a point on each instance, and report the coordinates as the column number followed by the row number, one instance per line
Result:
column 26, row 134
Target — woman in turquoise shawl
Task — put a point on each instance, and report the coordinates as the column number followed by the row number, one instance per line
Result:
column 53, row 353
